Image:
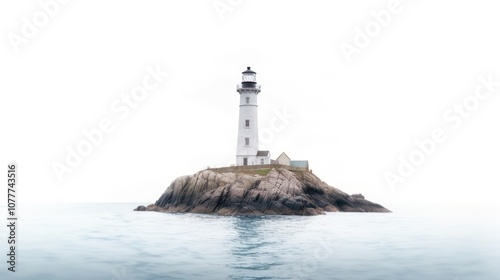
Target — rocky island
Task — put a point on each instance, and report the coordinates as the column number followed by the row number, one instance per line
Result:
column 271, row 191
column 257, row 184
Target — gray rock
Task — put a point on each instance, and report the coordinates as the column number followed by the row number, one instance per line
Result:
column 280, row 192
column 140, row 208
column 358, row 196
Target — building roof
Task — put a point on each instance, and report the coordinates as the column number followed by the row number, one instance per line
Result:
column 283, row 155
column 248, row 71
column 263, row 153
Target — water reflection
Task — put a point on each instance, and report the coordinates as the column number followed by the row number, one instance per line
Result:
column 254, row 253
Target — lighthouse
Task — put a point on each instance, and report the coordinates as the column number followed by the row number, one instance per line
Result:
column 247, row 152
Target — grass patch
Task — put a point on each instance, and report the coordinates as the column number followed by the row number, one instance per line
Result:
column 262, row 172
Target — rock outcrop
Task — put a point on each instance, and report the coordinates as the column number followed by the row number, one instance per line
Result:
column 279, row 192
column 140, row 208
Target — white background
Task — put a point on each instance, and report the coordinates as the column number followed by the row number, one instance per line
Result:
column 351, row 120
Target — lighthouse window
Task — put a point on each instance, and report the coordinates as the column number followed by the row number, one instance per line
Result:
column 247, row 141
column 247, row 123
column 247, row 100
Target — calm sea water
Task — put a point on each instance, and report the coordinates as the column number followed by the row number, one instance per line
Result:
column 109, row 241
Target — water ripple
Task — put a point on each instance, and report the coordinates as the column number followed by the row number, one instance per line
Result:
column 109, row 241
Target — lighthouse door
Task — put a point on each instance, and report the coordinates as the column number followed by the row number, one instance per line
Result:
column 245, row 161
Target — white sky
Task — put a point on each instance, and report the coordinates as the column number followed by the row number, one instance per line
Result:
column 351, row 120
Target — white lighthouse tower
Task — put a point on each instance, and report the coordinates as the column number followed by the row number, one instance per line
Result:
column 248, row 133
